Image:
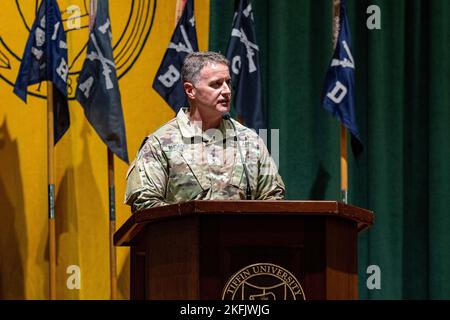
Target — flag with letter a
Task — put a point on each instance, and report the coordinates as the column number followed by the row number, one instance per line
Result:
column 339, row 88
column 168, row 81
column 243, row 54
column 45, row 59
column 98, row 88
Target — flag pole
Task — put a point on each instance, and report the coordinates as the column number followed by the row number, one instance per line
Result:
column 112, row 226
column 51, row 191
column 343, row 131
column 344, row 164
column 111, row 196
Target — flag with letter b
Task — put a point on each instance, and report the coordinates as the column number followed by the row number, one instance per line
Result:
column 168, row 82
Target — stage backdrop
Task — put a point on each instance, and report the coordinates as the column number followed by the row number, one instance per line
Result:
column 403, row 111
column 141, row 33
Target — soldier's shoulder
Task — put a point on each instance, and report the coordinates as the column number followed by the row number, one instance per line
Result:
column 166, row 128
column 168, row 134
column 164, row 131
column 165, row 135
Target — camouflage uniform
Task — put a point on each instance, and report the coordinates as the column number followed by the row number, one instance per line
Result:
column 179, row 163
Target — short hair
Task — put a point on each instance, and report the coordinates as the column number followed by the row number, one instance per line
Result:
column 196, row 61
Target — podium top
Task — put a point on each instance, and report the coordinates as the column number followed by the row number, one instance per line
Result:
column 124, row 235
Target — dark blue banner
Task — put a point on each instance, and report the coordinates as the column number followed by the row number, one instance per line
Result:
column 168, row 81
column 45, row 59
column 243, row 53
column 98, row 88
column 339, row 89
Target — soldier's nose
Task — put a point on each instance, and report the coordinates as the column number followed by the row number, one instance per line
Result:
column 226, row 89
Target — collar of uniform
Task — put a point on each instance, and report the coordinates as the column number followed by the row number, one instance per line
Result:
column 227, row 129
column 188, row 130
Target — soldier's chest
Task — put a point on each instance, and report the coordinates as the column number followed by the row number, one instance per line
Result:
column 218, row 157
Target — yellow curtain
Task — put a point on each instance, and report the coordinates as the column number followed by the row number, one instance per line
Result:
column 81, row 182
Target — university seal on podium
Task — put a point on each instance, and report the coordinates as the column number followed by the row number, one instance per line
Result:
column 263, row 281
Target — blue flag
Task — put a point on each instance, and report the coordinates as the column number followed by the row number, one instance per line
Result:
column 168, row 82
column 339, row 90
column 243, row 53
column 45, row 58
column 98, row 87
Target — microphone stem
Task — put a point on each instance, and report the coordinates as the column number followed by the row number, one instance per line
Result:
column 248, row 191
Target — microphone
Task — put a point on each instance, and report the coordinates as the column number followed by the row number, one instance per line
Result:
column 248, row 191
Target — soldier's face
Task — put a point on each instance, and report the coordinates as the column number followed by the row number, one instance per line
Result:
column 212, row 92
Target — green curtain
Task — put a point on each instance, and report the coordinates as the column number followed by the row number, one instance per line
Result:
column 403, row 111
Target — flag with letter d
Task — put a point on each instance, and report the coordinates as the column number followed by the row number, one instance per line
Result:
column 338, row 92
column 168, row 81
column 243, row 54
column 98, row 88
column 45, row 59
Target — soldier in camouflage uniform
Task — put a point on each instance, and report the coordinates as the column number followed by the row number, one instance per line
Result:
column 195, row 156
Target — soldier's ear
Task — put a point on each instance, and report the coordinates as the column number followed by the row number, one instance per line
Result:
column 189, row 89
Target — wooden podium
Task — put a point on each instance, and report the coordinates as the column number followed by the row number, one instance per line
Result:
column 192, row 250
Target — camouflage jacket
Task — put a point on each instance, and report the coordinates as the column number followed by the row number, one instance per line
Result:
column 179, row 163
